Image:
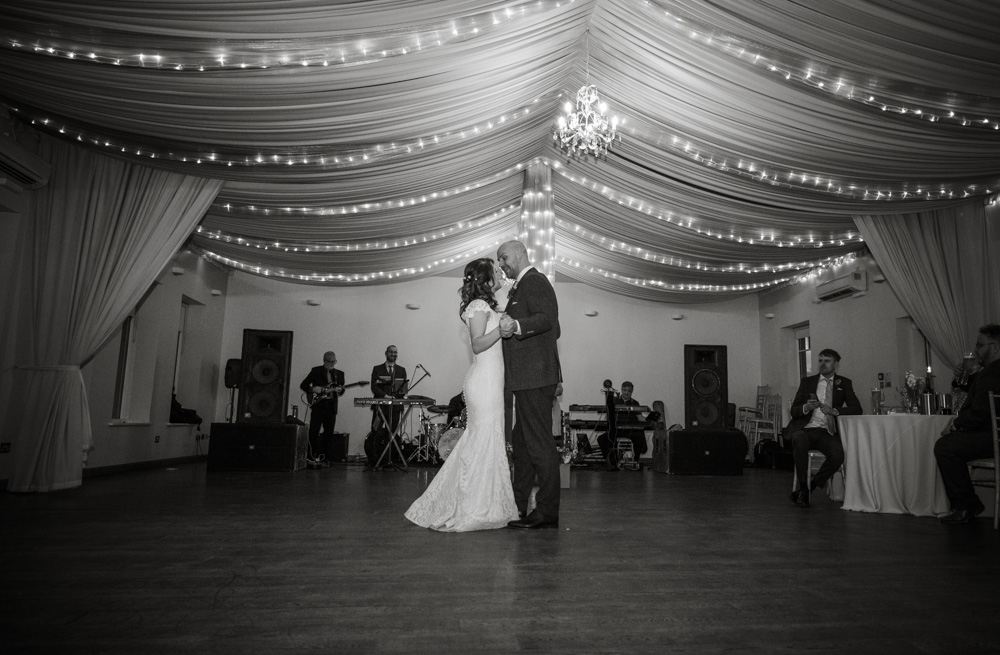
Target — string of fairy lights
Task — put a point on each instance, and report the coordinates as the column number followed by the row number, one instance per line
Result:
column 336, row 158
column 692, row 224
column 368, row 207
column 441, row 264
column 748, row 51
column 649, row 255
column 263, row 54
column 292, row 245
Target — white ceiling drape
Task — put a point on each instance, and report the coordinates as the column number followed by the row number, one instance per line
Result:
column 364, row 143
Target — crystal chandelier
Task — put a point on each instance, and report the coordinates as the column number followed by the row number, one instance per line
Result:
column 586, row 131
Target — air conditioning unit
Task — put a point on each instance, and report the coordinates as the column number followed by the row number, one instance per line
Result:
column 844, row 284
column 21, row 166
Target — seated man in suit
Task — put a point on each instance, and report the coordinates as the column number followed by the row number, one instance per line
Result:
column 819, row 401
column 969, row 435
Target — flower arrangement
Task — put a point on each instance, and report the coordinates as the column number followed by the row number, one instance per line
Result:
column 911, row 391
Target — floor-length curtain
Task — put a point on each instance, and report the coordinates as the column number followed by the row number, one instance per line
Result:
column 102, row 230
column 944, row 268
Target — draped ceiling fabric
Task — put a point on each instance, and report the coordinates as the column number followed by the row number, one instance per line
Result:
column 372, row 142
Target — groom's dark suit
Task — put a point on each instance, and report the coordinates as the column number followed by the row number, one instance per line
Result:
column 845, row 402
column 531, row 373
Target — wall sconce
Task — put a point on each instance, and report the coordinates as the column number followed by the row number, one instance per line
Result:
column 216, row 292
column 769, row 315
column 412, row 305
column 312, row 302
column 677, row 317
column 590, row 312
column 177, row 270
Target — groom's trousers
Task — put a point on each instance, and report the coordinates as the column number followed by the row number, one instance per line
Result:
column 535, row 452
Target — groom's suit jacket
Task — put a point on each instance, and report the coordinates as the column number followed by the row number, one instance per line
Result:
column 531, row 359
column 844, row 401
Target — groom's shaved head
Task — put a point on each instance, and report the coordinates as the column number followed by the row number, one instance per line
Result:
column 512, row 258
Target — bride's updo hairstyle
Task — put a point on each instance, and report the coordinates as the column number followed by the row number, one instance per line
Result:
column 477, row 284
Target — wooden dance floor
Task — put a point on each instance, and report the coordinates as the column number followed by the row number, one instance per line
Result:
column 180, row 560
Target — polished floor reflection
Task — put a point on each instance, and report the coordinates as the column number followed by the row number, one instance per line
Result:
column 179, row 560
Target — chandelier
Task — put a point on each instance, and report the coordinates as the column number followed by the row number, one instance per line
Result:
column 586, row 131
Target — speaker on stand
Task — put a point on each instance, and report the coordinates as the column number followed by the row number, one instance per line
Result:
column 706, row 387
column 234, row 373
column 267, row 358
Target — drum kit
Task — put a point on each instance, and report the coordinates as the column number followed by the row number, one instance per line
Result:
column 437, row 436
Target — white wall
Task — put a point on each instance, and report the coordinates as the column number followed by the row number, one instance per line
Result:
column 628, row 339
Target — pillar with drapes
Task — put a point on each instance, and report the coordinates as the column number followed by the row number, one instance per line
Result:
column 537, row 228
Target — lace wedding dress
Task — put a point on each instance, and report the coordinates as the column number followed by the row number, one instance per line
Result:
column 472, row 490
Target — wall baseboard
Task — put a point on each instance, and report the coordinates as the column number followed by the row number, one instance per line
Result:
column 138, row 466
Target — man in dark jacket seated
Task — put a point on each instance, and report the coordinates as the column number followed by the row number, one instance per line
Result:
column 969, row 435
column 818, row 402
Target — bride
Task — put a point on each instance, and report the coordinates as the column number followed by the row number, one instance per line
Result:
column 472, row 490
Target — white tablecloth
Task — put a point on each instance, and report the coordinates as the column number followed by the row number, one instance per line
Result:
column 890, row 466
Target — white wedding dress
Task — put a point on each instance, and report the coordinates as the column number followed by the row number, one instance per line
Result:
column 472, row 490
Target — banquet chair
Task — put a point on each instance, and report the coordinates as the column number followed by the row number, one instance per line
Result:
column 757, row 411
column 816, row 459
column 990, row 464
column 766, row 426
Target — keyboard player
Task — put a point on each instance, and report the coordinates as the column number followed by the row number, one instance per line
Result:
column 630, row 425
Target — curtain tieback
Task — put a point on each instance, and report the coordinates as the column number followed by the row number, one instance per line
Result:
column 54, row 367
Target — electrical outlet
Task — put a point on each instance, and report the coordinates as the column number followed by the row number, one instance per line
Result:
column 156, row 439
column 5, row 447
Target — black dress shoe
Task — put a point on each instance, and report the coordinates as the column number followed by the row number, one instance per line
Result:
column 957, row 516
column 534, row 521
column 800, row 498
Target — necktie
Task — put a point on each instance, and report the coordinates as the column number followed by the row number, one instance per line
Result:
column 831, row 425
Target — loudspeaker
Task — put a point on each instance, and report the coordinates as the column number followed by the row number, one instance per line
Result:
column 701, row 452
column 267, row 358
column 234, row 373
column 706, row 387
column 261, row 447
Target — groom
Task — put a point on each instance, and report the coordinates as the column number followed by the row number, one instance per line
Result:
column 530, row 328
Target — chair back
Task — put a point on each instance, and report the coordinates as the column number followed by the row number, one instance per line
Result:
column 762, row 393
column 995, row 424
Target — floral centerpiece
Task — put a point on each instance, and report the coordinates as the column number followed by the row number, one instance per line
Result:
column 911, row 391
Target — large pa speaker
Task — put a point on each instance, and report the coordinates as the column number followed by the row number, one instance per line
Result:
column 257, row 447
column 267, row 359
column 701, row 452
column 706, row 387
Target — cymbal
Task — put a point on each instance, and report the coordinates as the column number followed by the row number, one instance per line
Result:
column 439, row 409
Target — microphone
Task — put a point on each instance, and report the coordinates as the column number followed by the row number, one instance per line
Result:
column 421, row 366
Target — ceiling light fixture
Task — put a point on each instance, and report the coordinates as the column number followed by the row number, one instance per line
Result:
column 586, row 131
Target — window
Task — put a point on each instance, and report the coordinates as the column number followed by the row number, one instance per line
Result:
column 126, row 349
column 803, row 347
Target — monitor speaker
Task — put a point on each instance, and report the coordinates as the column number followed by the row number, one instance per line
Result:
column 234, row 373
column 706, row 387
column 267, row 359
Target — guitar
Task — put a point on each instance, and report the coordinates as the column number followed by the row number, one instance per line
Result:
column 328, row 392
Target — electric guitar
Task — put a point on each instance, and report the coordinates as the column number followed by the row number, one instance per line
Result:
column 328, row 392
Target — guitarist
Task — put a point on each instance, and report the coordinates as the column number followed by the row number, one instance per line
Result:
column 323, row 386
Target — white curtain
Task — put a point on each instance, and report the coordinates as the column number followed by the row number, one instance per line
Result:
column 944, row 269
column 102, row 230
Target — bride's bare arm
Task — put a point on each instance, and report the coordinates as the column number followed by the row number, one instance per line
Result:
column 481, row 339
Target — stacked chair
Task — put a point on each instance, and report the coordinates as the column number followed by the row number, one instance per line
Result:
column 990, row 465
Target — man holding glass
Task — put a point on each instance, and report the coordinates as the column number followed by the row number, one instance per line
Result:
column 969, row 436
column 818, row 402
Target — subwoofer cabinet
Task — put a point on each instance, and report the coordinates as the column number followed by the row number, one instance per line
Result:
column 700, row 452
column 257, row 447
